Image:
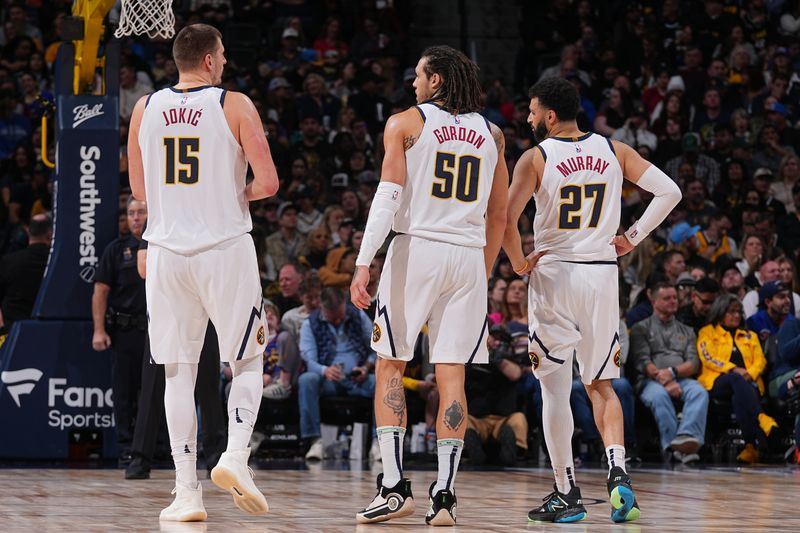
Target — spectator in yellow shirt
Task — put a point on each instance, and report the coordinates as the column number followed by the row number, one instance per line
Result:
column 732, row 363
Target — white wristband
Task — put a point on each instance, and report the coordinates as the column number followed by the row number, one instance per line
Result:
column 666, row 196
column 381, row 215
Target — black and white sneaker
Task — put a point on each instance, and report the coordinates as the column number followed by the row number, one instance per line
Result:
column 394, row 502
column 559, row 507
column 441, row 508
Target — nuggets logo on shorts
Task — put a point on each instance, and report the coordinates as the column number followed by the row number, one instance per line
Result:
column 534, row 359
column 616, row 359
column 376, row 332
column 260, row 335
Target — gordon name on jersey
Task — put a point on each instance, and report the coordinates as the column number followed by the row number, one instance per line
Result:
column 459, row 133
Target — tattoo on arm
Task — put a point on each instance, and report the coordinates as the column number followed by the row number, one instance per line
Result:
column 395, row 399
column 454, row 416
column 409, row 141
column 499, row 138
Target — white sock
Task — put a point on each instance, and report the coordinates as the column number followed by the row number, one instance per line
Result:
column 557, row 423
column 390, row 440
column 244, row 401
column 565, row 478
column 616, row 457
column 182, row 420
column 449, row 453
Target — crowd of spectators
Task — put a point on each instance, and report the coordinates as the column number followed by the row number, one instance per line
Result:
column 707, row 90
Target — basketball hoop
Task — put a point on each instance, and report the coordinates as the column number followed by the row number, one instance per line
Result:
column 153, row 17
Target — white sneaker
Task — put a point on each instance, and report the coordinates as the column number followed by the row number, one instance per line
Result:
column 316, row 451
column 277, row 391
column 187, row 506
column 233, row 475
column 375, row 451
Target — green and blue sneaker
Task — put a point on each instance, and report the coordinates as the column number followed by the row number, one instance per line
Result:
column 623, row 500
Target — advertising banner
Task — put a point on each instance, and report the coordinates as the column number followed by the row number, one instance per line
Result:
column 55, row 393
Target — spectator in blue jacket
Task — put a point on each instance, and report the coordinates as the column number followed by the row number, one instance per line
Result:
column 335, row 345
column 776, row 301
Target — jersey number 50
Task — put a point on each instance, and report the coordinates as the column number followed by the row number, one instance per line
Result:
column 188, row 163
column 466, row 174
column 572, row 197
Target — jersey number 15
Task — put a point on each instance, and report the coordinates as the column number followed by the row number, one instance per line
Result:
column 187, row 166
column 464, row 177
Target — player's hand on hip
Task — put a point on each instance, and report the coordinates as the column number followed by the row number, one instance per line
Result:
column 622, row 245
column 101, row 341
column 358, row 288
column 531, row 261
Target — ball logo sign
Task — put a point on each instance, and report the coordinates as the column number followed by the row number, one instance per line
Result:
column 20, row 382
column 82, row 113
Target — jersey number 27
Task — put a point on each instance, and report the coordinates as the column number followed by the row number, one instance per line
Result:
column 572, row 197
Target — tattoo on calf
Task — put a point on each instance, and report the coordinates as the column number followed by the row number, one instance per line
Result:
column 409, row 141
column 395, row 399
column 454, row 416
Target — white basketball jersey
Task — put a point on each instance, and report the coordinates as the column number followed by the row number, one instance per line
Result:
column 194, row 171
column 449, row 174
column 579, row 199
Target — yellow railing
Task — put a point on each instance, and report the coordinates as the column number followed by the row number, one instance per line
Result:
column 45, row 160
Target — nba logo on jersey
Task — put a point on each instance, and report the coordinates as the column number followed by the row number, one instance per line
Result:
column 184, row 99
column 578, row 148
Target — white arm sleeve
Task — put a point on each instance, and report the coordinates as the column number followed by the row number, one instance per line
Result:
column 381, row 215
column 666, row 197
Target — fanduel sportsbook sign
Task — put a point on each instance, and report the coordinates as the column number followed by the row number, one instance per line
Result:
column 53, row 386
column 92, row 403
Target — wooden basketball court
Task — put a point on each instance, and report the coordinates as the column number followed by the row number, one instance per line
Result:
column 326, row 499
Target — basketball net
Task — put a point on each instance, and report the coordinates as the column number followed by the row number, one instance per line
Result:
column 152, row 17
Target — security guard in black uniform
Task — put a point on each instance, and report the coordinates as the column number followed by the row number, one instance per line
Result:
column 119, row 312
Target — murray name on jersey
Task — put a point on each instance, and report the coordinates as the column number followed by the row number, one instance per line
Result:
column 579, row 162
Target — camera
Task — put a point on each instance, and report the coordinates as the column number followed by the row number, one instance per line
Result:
column 504, row 350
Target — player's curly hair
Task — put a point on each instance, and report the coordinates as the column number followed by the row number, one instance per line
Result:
column 460, row 91
column 559, row 95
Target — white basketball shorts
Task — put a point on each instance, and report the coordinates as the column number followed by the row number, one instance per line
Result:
column 441, row 284
column 573, row 310
column 184, row 291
